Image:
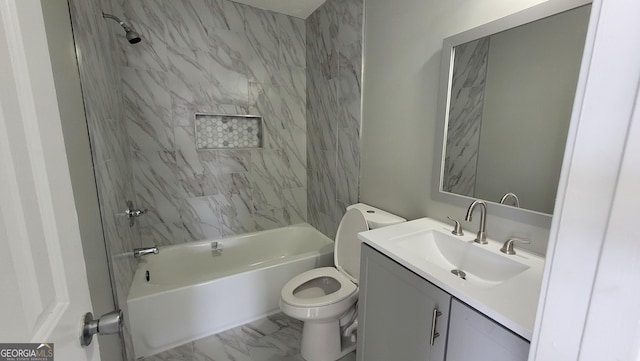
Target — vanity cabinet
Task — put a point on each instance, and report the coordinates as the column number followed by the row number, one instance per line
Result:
column 398, row 311
column 473, row 336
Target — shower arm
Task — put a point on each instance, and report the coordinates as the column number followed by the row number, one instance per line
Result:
column 117, row 19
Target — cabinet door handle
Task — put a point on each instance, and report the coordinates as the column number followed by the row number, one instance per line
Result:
column 434, row 334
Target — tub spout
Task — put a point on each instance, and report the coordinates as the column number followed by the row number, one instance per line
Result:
column 139, row 252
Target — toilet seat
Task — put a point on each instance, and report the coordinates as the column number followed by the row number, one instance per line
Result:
column 347, row 288
column 346, row 272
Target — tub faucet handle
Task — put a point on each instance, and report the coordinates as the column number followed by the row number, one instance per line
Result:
column 457, row 228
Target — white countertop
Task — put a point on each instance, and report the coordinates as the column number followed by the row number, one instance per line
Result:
column 512, row 303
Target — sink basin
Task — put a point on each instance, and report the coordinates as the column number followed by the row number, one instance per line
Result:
column 481, row 266
column 504, row 287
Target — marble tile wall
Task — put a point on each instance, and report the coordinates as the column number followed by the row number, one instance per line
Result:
column 465, row 117
column 221, row 57
column 334, row 68
column 214, row 56
column 101, row 89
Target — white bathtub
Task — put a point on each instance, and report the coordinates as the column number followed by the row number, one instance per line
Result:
column 194, row 291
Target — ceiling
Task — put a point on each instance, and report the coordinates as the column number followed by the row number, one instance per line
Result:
column 298, row 8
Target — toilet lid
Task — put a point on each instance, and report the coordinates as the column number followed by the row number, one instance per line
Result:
column 347, row 248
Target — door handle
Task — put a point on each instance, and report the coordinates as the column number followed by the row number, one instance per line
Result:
column 107, row 324
column 434, row 322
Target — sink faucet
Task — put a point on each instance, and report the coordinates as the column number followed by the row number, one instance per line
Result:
column 516, row 201
column 482, row 236
column 139, row 252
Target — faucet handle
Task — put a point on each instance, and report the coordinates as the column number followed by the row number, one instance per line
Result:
column 457, row 228
column 507, row 247
column 133, row 213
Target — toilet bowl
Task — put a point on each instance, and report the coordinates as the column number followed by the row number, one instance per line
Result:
column 325, row 298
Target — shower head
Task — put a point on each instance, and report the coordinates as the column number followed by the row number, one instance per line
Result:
column 132, row 36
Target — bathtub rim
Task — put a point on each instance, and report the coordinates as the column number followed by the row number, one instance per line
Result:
column 151, row 290
column 242, row 236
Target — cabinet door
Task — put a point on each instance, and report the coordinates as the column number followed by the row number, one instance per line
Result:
column 395, row 312
column 473, row 336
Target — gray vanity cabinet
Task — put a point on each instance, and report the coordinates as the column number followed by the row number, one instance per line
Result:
column 396, row 312
column 473, row 336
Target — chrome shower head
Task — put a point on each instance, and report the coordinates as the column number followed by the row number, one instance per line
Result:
column 132, row 36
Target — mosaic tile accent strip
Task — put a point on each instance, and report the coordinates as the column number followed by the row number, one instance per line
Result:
column 215, row 131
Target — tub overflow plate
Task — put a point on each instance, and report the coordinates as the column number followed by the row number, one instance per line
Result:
column 216, row 249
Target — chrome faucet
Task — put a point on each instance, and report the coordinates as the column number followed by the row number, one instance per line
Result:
column 139, row 252
column 482, row 235
column 516, row 201
column 507, row 247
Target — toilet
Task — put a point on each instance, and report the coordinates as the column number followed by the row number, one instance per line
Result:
column 325, row 298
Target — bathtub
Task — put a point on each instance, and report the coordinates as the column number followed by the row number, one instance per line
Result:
column 197, row 289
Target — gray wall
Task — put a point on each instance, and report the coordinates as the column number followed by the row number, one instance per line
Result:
column 102, row 96
column 334, row 67
column 220, row 57
column 403, row 42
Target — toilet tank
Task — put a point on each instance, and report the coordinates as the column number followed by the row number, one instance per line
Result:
column 375, row 217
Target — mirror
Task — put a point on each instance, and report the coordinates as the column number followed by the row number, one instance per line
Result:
column 506, row 103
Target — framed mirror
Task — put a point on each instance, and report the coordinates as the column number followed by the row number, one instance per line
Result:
column 506, row 97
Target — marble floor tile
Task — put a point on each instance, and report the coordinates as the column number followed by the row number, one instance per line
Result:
column 274, row 338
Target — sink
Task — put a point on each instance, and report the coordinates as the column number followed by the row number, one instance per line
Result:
column 452, row 254
column 504, row 287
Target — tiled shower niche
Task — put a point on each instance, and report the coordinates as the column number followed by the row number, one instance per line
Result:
column 225, row 131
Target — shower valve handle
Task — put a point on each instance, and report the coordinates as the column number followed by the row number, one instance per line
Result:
column 136, row 212
column 133, row 213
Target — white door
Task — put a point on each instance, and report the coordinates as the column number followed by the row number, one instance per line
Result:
column 43, row 282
